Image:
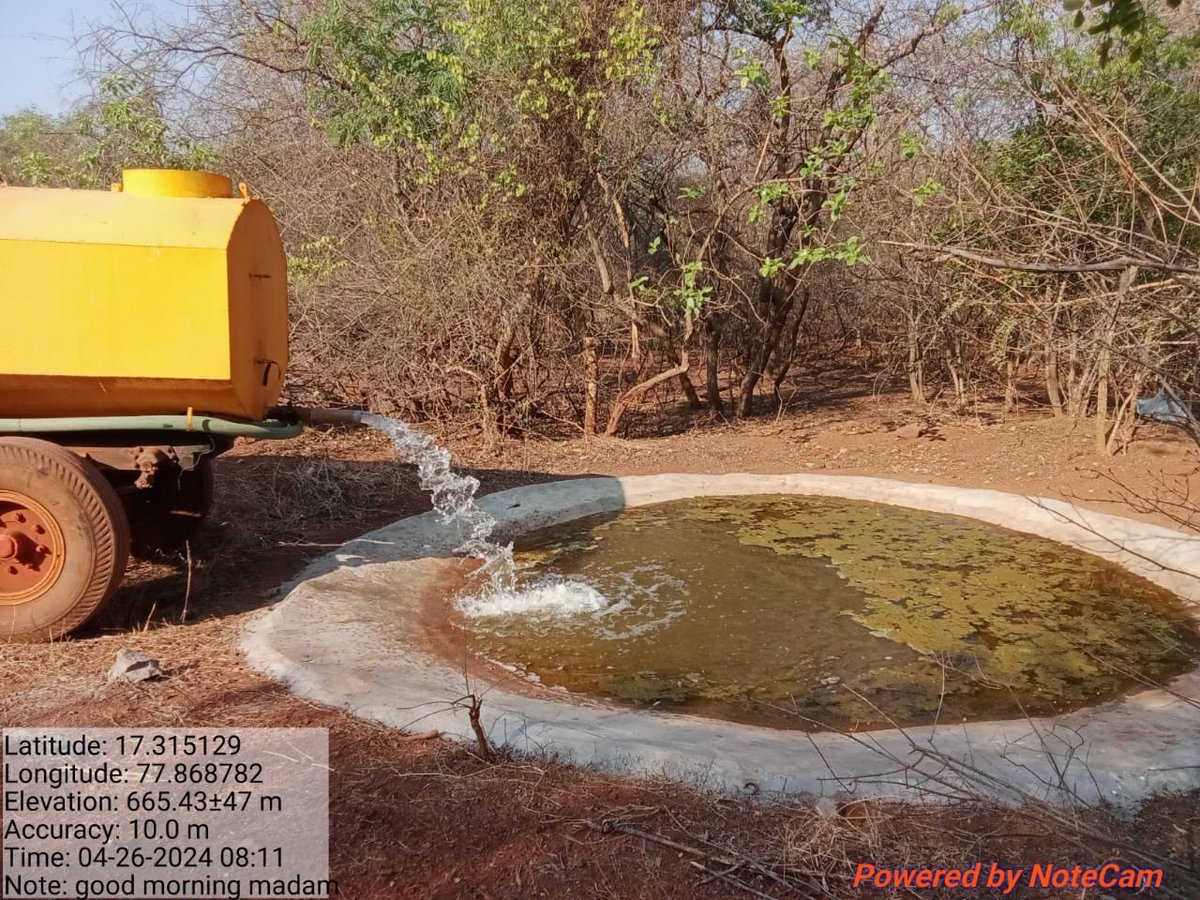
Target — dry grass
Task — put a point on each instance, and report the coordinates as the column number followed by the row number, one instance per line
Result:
column 427, row 818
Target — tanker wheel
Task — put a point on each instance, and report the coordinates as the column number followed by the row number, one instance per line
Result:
column 166, row 515
column 64, row 540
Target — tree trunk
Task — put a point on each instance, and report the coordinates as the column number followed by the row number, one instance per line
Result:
column 1053, row 391
column 762, row 353
column 502, row 376
column 1116, row 441
column 505, row 357
column 954, row 364
column 634, row 393
column 1010, row 385
column 712, row 356
column 916, row 375
column 1102, row 401
column 1074, row 394
column 1104, row 366
column 775, row 303
column 779, row 369
column 689, row 391
column 591, row 371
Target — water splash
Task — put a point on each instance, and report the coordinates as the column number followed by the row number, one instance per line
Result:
column 554, row 597
column 633, row 603
column 453, row 497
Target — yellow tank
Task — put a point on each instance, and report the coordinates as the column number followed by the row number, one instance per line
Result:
column 163, row 295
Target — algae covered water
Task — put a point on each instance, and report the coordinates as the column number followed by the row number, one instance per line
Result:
column 809, row 612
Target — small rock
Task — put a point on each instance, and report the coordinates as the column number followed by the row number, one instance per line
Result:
column 825, row 807
column 910, row 432
column 134, row 665
column 831, row 681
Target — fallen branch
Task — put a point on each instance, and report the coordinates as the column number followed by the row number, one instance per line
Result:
column 1017, row 265
column 728, row 878
column 423, row 736
column 730, row 862
column 624, row 401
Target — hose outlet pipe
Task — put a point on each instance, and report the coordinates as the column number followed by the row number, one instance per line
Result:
column 310, row 416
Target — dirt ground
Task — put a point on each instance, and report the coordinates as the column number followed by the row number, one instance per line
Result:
column 418, row 817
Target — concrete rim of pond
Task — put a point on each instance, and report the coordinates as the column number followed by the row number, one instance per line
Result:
column 351, row 633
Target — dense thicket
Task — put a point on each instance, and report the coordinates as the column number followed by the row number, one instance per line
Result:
column 548, row 214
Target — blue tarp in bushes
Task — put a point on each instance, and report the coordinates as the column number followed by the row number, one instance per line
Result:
column 1162, row 408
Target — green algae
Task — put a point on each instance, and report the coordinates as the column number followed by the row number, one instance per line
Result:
column 810, row 612
column 1002, row 603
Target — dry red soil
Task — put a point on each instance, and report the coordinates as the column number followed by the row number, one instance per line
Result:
column 422, row 817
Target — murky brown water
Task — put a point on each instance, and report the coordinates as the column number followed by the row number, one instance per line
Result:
column 805, row 612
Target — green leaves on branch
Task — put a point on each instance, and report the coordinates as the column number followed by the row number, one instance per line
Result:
column 927, row 190
column 692, row 295
column 771, row 266
column 1129, row 19
column 392, row 75
column 910, row 145
column 834, row 204
column 1051, row 162
column 123, row 127
column 850, row 252
column 787, row 11
column 830, row 169
column 315, row 261
column 767, row 194
column 465, row 84
column 767, row 20
column 633, row 44
column 127, row 129
column 753, row 73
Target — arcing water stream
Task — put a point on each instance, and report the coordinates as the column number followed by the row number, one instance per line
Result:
column 453, row 497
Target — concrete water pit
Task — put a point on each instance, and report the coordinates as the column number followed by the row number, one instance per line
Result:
column 800, row 634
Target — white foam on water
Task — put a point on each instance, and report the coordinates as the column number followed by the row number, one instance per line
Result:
column 549, row 597
column 629, row 607
column 639, row 590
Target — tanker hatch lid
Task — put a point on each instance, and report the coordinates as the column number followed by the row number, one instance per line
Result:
column 174, row 183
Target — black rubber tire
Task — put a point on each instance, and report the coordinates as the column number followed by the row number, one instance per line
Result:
column 163, row 517
column 95, row 536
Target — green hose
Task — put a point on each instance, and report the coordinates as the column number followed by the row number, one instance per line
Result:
column 269, row 429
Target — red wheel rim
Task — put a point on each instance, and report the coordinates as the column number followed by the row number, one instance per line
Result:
column 32, row 549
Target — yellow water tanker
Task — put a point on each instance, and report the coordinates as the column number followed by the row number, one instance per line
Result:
column 145, row 330
column 164, row 295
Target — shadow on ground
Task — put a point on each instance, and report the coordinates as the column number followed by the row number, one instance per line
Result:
column 272, row 516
